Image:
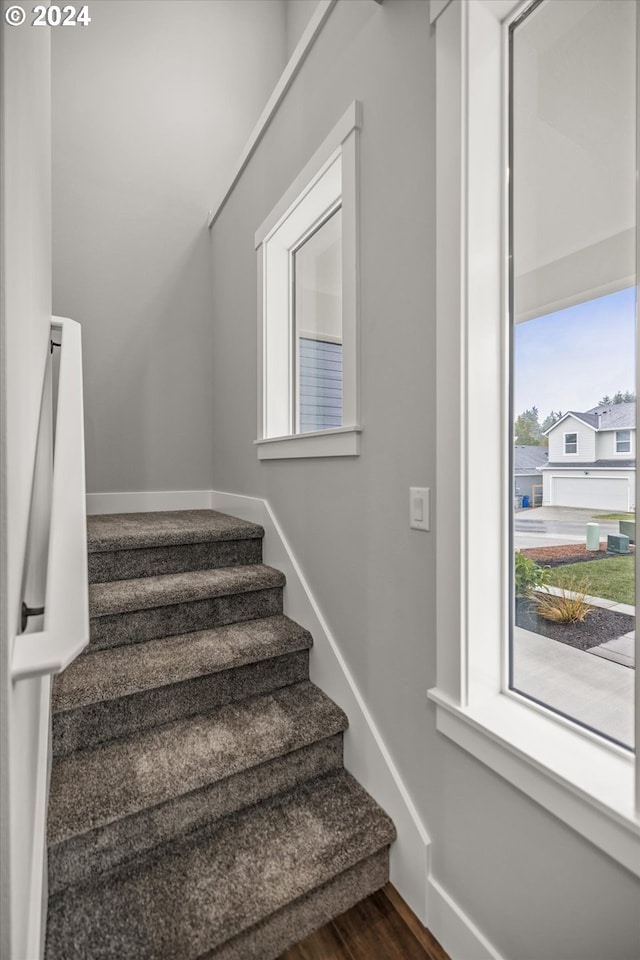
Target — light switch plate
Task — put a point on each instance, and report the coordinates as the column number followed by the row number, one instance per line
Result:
column 419, row 518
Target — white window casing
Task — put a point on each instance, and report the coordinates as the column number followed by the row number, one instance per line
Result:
column 623, row 441
column 327, row 181
column 586, row 781
column 570, row 440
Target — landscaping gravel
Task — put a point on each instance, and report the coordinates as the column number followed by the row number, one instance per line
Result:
column 599, row 626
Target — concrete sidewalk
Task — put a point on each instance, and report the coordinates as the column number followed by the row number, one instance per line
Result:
column 596, row 690
column 593, row 691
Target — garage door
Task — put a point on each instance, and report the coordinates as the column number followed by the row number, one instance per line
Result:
column 609, row 493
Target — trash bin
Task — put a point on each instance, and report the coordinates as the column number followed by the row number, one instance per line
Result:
column 525, row 502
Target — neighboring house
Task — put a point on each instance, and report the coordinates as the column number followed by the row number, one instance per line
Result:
column 592, row 459
column 527, row 461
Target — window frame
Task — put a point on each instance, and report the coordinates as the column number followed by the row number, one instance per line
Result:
column 570, row 453
column 586, row 781
column 276, row 386
column 623, row 452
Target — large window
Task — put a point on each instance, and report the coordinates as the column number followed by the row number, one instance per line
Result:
column 572, row 201
column 308, row 311
column 490, row 297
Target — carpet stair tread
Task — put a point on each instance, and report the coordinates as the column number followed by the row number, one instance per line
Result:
column 124, row 531
column 143, row 593
column 199, row 808
column 186, row 900
column 84, row 857
column 123, row 777
column 123, row 671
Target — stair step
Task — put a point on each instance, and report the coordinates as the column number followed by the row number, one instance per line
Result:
column 143, row 593
column 191, row 898
column 155, row 561
column 131, row 531
column 110, row 674
column 82, row 858
column 127, row 776
column 108, row 694
column 113, row 693
column 147, row 608
column 115, row 719
column 125, row 546
column 268, row 939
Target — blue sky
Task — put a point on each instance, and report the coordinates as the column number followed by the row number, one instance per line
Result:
column 570, row 359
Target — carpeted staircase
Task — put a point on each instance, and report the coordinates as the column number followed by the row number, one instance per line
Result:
column 199, row 806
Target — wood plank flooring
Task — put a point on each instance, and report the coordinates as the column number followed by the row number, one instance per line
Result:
column 382, row 927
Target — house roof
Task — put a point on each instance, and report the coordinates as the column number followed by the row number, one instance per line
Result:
column 528, row 459
column 615, row 416
column 591, row 465
column 590, row 419
column 610, row 416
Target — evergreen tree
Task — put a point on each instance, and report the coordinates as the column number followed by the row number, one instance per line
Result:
column 626, row 396
column 552, row 418
column 549, row 421
column 527, row 429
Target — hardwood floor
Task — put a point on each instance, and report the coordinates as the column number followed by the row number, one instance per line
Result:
column 382, row 927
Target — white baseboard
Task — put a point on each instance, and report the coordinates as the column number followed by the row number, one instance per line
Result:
column 366, row 755
column 452, row 927
column 144, row 501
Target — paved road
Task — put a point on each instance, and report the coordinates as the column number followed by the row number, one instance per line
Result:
column 561, row 520
column 553, row 526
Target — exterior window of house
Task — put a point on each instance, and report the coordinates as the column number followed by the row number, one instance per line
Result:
column 623, row 441
column 308, row 307
column 317, row 317
column 573, row 136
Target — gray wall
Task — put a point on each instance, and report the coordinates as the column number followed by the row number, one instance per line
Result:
column 533, row 886
column 297, row 16
column 152, row 104
column 25, row 320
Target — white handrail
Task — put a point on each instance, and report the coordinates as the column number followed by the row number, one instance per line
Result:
column 66, row 616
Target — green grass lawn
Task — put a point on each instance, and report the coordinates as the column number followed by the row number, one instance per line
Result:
column 615, row 516
column 613, row 579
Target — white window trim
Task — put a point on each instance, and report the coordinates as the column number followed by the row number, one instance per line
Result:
column 584, row 780
column 341, row 145
column 338, row 442
column 624, row 453
column 571, row 433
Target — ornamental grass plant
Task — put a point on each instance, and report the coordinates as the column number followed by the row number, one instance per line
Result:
column 569, row 606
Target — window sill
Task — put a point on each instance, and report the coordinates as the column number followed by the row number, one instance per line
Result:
column 342, row 442
column 587, row 784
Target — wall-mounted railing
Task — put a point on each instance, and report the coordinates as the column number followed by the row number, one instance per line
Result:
column 66, row 599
